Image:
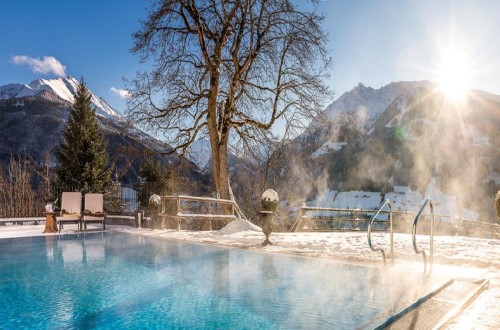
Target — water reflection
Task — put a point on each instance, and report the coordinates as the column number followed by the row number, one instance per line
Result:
column 121, row 280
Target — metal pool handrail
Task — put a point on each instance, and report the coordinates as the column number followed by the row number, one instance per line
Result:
column 414, row 234
column 369, row 233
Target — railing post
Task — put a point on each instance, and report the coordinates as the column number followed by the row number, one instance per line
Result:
column 177, row 210
column 210, row 212
column 298, row 220
column 163, row 208
column 431, row 257
column 392, row 233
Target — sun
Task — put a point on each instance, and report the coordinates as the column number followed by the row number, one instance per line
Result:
column 453, row 76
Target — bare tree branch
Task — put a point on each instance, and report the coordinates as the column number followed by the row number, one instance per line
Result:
column 221, row 65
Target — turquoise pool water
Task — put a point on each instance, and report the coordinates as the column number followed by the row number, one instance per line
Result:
column 120, row 281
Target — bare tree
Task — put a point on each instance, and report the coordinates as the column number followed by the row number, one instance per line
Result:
column 224, row 67
column 17, row 197
column 265, row 151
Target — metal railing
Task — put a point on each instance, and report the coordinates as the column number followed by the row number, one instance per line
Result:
column 414, row 234
column 211, row 209
column 369, row 231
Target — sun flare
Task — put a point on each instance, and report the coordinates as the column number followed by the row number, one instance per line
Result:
column 453, row 76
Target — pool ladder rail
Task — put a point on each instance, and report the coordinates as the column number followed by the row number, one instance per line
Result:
column 369, row 233
column 428, row 201
column 431, row 244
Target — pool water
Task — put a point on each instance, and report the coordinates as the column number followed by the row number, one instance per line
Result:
column 117, row 280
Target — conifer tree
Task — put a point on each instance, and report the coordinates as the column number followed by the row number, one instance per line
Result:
column 154, row 179
column 151, row 171
column 82, row 156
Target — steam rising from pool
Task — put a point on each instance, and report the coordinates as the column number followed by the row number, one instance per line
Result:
column 422, row 141
column 118, row 280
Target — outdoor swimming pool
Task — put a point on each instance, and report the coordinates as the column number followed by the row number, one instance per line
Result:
column 118, row 280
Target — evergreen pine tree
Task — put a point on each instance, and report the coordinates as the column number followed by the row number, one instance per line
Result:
column 82, row 156
column 155, row 180
column 151, row 171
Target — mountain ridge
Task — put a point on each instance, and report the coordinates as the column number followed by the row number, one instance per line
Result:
column 32, row 117
column 404, row 134
column 64, row 88
column 368, row 102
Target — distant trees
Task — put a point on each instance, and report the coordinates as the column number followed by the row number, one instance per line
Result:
column 82, row 156
column 17, row 196
column 159, row 179
column 227, row 69
column 153, row 179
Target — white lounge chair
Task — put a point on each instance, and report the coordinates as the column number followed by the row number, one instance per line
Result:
column 71, row 209
column 94, row 210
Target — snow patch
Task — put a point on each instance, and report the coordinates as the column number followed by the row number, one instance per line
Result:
column 402, row 199
column 327, row 147
column 358, row 199
column 348, row 199
column 62, row 87
column 405, row 200
column 270, row 196
column 238, row 226
column 401, row 189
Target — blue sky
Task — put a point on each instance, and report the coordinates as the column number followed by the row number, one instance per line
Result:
column 373, row 42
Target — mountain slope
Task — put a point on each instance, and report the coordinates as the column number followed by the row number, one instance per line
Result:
column 32, row 116
column 405, row 136
column 365, row 103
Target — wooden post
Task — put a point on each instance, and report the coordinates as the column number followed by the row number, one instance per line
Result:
column 177, row 210
column 162, row 214
column 209, row 212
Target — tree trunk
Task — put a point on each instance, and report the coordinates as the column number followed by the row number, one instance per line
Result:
column 218, row 143
column 220, row 169
column 223, row 171
column 221, row 174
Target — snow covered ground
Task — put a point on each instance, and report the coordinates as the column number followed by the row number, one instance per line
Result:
column 347, row 246
column 453, row 256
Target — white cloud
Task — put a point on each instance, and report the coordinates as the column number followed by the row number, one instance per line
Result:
column 122, row 93
column 48, row 64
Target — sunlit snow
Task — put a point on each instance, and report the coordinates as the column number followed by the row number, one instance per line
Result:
column 327, row 147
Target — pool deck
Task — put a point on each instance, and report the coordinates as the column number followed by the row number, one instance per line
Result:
column 469, row 257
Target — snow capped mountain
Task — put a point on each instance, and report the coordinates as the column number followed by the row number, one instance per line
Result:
column 405, row 134
column 64, row 88
column 15, row 90
column 366, row 103
column 33, row 115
